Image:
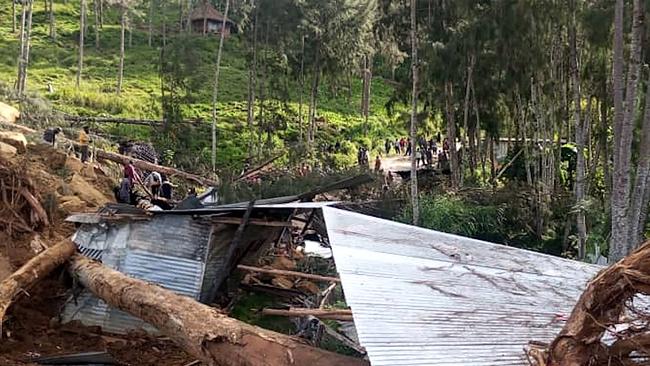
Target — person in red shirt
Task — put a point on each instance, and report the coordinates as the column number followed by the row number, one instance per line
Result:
column 131, row 174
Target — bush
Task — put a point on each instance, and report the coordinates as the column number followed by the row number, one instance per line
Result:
column 453, row 215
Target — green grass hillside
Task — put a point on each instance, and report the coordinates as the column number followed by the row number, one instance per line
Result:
column 55, row 62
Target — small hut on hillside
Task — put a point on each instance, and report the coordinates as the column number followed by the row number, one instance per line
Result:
column 206, row 19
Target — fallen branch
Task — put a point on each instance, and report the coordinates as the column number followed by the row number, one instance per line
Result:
column 281, row 272
column 343, row 315
column 31, row 272
column 202, row 331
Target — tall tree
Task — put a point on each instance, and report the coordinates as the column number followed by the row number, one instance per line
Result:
column 25, row 39
column 82, row 27
column 97, row 25
column 120, row 70
column 150, row 16
column 579, row 136
column 414, row 110
column 52, row 21
column 215, row 92
column 13, row 16
column 625, row 105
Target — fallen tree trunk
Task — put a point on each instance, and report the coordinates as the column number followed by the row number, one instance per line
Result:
column 281, row 272
column 31, row 272
column 145, row 165
column 202, row 331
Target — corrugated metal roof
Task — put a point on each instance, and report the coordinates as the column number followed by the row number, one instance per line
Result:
column 421, row 297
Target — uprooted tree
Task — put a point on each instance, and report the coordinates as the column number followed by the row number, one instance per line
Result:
column 609, row 325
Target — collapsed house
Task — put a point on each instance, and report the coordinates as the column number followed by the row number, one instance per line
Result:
column 417, row 296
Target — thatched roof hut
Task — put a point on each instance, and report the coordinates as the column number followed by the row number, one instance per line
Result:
column 206, row 19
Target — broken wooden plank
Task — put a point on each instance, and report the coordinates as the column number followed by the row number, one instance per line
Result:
column 257, row 222
column 282, row 272
column 202, row 331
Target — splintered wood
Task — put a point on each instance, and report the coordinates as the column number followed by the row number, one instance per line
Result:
column 610, row 306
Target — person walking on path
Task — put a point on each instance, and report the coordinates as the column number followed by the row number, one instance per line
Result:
column 387, row 146
column 84, row 140
column 377, row 164
column 409, row 147
column 418, row 157
column 397, row 149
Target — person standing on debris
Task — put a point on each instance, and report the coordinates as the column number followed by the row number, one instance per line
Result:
column 131, row 174
column 84, row 140
column 49, row 135
column 377, row 164
column 153, row 183
column 166, row 188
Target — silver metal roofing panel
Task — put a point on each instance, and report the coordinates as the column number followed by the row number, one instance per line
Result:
column 176, row 236
column 421, row 297
column 183, row 276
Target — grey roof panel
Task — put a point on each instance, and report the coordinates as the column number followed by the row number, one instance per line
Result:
column 421, row 297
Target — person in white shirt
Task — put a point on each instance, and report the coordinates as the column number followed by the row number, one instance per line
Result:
column 153, row 182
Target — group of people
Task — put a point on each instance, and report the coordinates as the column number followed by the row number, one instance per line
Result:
column 83, row 139
column 425, row 150
column 156, row 184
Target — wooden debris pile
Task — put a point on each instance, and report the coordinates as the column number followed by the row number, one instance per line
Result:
column 610, row 324
column 21, row 210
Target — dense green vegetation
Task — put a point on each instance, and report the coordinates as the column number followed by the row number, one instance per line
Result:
column 55, row 63
column 546, row 75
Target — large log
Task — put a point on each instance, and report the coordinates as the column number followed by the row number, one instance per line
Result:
column 31, row 272
column 145, row 165
column 202, row 331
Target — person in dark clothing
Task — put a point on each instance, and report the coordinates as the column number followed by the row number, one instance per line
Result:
column 387, row 146
column 49, row 135
column 409, row 146
column 166, row 189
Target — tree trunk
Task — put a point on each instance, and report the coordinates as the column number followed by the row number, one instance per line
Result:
column 21, row 53
column 202, row 331
column 52, row 22
column 215, row 91
column 639, row 200
column 466, row 133
column 25, row 46
column 164, row 33
column 451, row 135
column 415, row 202
column 82, row 26
column 96, row 13
column 188, row 20
column 120, row 71
column 302, row 88
column 620, row 243
column 252, row 82
column 101, row 14
column 150, row 22
column 365, row 100
column 145, row 165
column 580, row 139
column 31, row 272
column 13, row 15
column 314, row 96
